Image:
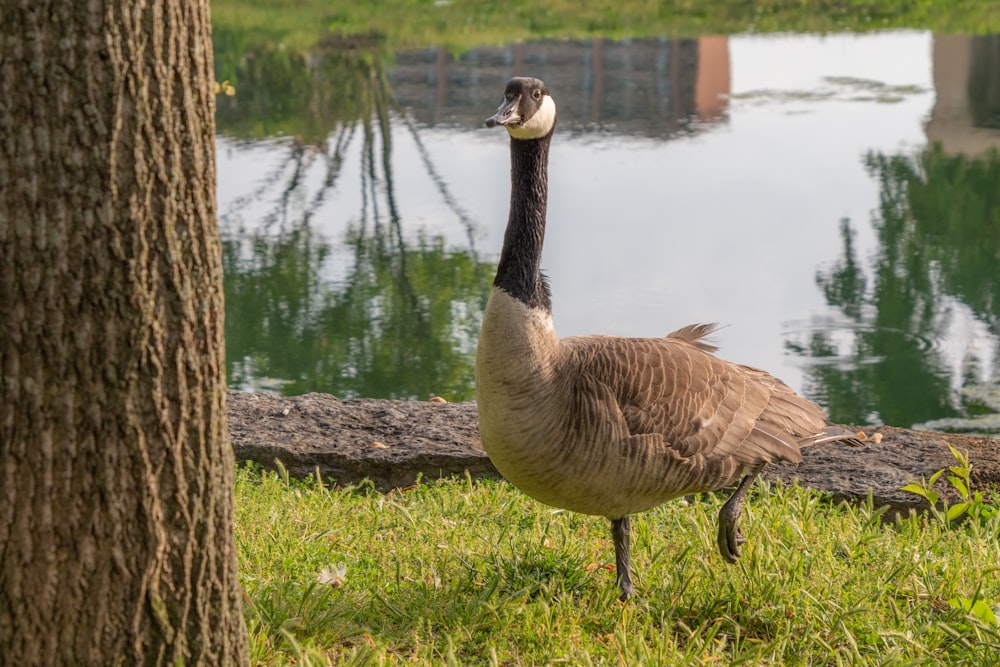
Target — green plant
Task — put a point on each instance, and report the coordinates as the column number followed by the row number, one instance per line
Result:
column 977, row 607
column 973, row 504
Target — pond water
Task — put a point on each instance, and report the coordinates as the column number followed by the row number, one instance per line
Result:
column 833, row 201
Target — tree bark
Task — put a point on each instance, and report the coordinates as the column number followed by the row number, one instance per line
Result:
column 116, row 472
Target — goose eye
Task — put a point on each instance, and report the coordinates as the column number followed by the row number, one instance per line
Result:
column 537, row 94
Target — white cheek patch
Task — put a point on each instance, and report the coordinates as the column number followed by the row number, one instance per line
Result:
column 538, row 125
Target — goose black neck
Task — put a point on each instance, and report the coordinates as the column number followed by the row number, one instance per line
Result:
column 519, row 272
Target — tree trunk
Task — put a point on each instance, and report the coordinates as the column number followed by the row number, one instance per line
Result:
column 116, row 472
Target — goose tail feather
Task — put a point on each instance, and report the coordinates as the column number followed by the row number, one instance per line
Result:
column 695, row 334
column 835, row 433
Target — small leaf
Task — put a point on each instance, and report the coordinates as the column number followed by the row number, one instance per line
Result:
column 961, row 457
column 913, row 487
column 935, row 477
column 922, row 491
column 957, row 510
column 979, row 609
column 960, row 485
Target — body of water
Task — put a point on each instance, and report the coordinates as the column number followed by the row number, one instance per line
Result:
column 834, row 201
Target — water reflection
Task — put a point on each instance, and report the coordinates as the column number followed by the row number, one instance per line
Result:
column 400, row 323
column 283, row 93
column 923, row 340
column 921, row 344
column 652, row 88
column 966, row 113
column 983, row 83
column 371, row 294
column 401, row 317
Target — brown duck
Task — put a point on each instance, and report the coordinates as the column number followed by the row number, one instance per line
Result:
column 607, row 425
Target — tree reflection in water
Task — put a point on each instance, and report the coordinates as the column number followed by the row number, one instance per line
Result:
column 403, row 320
column 938, row 229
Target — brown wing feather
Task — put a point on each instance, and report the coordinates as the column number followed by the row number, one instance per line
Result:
column 699, row 404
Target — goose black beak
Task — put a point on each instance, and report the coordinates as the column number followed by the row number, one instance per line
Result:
column 506, row 113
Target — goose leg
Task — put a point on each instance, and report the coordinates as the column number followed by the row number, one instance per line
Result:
column 730, row 537
column 621, row 533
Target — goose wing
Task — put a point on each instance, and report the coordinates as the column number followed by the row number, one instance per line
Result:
column 700, row 405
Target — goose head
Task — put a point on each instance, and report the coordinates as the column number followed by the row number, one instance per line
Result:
column 527, row 110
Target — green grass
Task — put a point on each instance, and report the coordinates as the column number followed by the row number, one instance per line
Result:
column 462, row 24
column 474, row 572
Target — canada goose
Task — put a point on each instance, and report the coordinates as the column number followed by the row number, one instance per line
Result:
column 606, row 425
